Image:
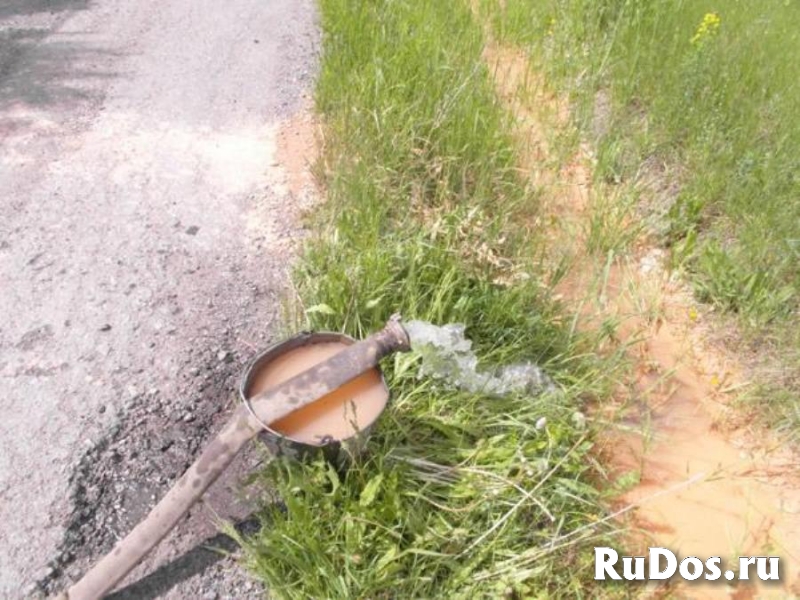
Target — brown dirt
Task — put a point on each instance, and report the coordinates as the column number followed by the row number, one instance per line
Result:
column 299, row 144
column 674, row 419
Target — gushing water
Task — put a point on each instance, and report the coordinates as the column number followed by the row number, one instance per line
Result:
column 447, row 356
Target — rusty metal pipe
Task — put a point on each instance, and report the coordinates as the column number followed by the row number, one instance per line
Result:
column 267, row 407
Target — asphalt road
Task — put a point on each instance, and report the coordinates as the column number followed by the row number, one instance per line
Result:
column 144, row 241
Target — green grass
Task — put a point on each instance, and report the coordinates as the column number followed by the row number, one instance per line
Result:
column 459, row 495
column 702, row 97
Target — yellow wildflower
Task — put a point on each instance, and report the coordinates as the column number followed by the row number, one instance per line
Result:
column 708, row 28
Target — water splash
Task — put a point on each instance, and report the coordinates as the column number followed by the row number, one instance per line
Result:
column 447, row 356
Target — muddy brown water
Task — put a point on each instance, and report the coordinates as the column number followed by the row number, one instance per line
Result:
column 705, row 487
column 744, row 498
column 337, row 416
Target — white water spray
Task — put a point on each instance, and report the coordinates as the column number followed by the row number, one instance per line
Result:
column 447, row 356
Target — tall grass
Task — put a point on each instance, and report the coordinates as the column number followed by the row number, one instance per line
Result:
column 707, row 93
column 459, row 495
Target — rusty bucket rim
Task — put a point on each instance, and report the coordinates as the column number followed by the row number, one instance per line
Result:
column 288, row 344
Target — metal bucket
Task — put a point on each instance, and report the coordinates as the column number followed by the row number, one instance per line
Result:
column 285, row 359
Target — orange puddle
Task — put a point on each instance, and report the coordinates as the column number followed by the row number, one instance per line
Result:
column 743, row 497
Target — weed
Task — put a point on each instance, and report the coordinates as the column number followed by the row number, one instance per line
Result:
column 611, row 222
column 460, row 495
column 707, row 86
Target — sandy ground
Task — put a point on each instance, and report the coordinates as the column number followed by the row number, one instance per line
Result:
column 146, row 227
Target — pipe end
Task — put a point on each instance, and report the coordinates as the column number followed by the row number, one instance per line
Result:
column 397, row 333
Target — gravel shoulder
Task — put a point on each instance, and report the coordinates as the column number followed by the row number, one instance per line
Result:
column 145, row 235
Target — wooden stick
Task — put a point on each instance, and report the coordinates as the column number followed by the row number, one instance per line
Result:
column 269, row 406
